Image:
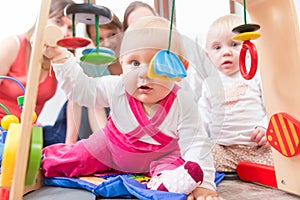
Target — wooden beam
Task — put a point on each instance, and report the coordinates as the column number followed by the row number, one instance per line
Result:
column 232, row 6
column 164, row 8
column 18, row 182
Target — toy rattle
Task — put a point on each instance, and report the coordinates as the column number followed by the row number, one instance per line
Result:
column 73, row 42
column 245, row 33
column 166, row 65
column 88, row 14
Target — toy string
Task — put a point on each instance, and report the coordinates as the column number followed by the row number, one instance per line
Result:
column 245, row 9
column 15, row 80
column 5, row 109
column 171, row 25
column 73, row 25
column 97, row 32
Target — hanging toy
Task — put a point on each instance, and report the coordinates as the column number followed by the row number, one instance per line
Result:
column 78, row 13
column 166, row 65
column 99, row 55
column 97, row 15
column 245, row 33
column 88, row 14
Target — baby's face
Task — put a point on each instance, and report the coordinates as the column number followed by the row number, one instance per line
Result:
column 224, row 52
column 136, row 81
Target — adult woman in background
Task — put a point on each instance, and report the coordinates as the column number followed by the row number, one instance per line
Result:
column 15, row 55
column 135, row 10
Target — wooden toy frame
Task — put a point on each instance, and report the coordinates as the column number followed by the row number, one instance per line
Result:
column 17, row 188
column 280, row 69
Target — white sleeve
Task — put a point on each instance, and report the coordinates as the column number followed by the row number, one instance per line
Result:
column 194, row 142
column 205, row 108
column 82, row 89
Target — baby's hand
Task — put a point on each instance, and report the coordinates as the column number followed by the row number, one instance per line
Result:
column 204, row 194
column 56, row 54
column 259, row 136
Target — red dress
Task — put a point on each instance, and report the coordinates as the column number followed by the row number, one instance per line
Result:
column 9, row 90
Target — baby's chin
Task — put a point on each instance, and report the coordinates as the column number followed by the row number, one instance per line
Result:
column 146, row 98
column 229, row 72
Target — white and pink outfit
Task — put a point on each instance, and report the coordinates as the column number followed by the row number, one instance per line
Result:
column 173, row 138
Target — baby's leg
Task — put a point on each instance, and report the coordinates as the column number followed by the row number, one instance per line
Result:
column 70, row 161
column 183, row 179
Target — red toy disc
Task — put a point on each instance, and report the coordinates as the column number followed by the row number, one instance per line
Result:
column 73, row 42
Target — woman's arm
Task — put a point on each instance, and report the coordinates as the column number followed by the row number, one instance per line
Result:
column 8, row 53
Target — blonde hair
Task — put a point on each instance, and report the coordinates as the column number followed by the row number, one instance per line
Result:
column 223, row 24
column 151, row 32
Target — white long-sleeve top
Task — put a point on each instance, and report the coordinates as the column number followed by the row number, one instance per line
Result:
column 231, row 108
column 182, row 122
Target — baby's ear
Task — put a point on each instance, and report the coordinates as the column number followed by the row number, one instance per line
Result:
column 206, row 53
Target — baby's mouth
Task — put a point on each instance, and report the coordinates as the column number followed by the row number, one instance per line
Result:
column 144, row 89
column 226, row 62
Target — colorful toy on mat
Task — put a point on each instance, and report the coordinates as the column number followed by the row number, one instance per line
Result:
column 166, row 65
column 245, row 33
column 10, row 133
column 7, row 119
column 9, row 155
column 257, row 173
column 283, row 134
column 138, row 177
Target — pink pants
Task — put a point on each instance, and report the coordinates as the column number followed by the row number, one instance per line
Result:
column 98, row 154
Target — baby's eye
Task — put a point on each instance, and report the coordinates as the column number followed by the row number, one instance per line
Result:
column 235, row 44
column 112, row 34
column 218, row 47
column 70, row 28
column 58, row 22
column 135, row 63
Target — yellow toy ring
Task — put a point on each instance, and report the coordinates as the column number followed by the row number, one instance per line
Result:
column 9, row 154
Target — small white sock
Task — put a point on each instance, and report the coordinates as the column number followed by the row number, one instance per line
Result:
column 183, row 179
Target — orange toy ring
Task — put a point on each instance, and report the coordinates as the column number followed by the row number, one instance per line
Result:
column 247, row 45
